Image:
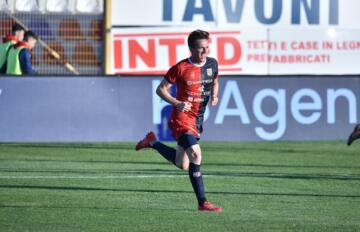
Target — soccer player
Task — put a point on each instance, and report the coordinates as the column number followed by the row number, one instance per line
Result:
column 17, row 35
column 196, row 80
column 18, row 59
column 354, row 135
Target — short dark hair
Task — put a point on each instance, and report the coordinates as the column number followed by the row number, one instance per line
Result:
column 16, row 27
column 196, row 35
column 30, row 34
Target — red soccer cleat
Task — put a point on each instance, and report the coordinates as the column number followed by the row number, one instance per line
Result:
column 145, row 142
column 210, row 207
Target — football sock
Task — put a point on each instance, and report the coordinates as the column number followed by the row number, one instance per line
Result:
column 167, row 152
column 197, row 183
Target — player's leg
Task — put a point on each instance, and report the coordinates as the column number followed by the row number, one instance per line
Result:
column 181, row 160
column 354, row 135
column 193, row 151
column 150, row 141
column 194, row 154
column 177, row 156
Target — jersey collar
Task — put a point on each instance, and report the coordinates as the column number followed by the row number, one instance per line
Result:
column 197, row 65
column 10, row 38
column 22, row 44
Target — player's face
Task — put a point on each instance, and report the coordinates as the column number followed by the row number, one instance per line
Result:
column 32, row 42
column 200, row 51
column 20, row 35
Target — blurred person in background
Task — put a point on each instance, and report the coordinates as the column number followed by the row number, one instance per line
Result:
column 18, row 59
column 17, row 35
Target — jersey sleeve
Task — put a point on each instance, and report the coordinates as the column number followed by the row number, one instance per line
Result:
column 172, row 75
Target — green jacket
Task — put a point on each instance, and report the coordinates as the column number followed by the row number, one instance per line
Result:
column 4, row 49
column 13, row 61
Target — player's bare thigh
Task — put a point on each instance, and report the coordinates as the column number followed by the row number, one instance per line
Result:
column 194, row 151
column 181, row 160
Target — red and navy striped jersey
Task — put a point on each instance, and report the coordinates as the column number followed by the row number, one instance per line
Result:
column 194, row 84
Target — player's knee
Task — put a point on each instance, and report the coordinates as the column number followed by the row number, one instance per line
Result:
column 182, row 165
column 194, row 154
column 195, row 150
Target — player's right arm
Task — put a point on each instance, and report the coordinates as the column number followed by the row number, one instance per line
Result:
column 163, row 92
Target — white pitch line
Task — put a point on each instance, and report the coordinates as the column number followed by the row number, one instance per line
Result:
column 96, row 177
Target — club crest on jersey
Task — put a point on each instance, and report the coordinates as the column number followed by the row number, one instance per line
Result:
column 209, row 71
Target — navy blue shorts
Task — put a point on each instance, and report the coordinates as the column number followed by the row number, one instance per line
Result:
column 187, row 140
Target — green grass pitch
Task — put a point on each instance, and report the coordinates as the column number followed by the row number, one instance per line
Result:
column 262, row 186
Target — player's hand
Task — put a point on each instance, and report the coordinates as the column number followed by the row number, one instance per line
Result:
column 183, row 106
column 214, row 101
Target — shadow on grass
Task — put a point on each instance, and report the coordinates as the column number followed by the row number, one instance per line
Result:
column 81, row 207
column 204, row 165
column 164, row 172
column 104, row 146
column 241, row 147
column 69, row 188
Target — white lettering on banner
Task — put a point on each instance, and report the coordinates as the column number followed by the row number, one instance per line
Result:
column 278, row 117
column 305, row 105
column 297, row 106
column 333, row 95
column 232, row 90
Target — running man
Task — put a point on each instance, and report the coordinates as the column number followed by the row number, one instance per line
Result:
column 196, row 80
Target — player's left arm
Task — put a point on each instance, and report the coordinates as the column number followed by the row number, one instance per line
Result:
column 214, row 92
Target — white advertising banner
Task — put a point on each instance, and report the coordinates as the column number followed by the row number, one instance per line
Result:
column 247, row 51
column 237, row 13
column 312, row 51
